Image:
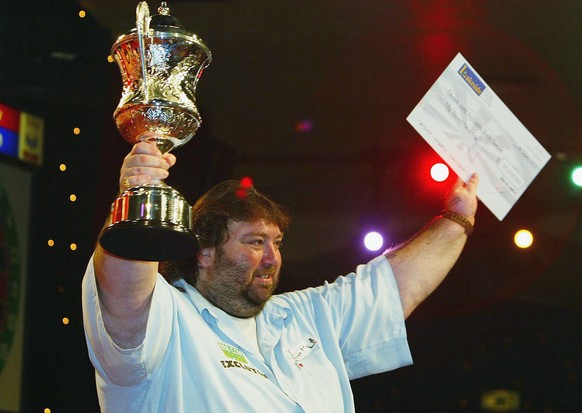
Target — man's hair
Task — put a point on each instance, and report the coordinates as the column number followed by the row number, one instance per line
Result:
column 226, row 202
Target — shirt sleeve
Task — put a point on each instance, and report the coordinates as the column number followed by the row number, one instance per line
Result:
column 125, row 367
column 367, row 315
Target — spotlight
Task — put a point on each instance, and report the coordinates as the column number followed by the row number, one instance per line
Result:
column 523, row 238
column 439, row 172
column 577, row 176
column 373, row 241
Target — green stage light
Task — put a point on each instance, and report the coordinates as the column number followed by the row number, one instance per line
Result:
column 577, row 176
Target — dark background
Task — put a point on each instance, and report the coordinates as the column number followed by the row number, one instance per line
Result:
column 504, row 318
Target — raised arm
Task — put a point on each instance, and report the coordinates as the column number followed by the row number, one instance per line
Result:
column 126, row 286
column 423, row 262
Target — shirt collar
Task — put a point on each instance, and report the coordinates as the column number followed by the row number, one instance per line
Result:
column 207, row 310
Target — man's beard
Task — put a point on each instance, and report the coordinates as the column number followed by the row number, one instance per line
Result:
column 230, row 289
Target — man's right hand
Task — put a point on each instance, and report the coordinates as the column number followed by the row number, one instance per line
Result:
column 143, row 165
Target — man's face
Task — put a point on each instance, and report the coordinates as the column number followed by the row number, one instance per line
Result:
column 244, row 271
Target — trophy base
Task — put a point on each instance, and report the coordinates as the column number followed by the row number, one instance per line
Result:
column 150, row 223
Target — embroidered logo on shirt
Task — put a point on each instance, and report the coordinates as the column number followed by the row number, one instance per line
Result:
column 302, row 351
column 237, row 359
column 233, row 353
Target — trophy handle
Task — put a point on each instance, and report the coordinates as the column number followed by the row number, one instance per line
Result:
column 142, row 24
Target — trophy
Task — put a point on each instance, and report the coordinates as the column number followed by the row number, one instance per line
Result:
column 160, row 64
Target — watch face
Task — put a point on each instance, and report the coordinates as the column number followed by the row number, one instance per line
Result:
column 10, row 282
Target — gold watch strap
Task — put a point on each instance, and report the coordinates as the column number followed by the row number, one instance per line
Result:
column 459, row 219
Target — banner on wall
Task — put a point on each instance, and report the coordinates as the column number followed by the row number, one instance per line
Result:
column 21, row 135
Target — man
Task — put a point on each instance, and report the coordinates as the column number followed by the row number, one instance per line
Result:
column 217, row 340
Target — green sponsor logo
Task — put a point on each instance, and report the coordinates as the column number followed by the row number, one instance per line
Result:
column 233, row 353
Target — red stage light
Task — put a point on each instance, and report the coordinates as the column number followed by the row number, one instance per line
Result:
column 439, row 172
column 246, row 182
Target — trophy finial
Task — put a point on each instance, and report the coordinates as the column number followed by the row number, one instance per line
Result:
column 164, row 10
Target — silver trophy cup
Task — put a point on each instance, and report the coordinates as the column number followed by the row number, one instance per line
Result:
column 160, row 64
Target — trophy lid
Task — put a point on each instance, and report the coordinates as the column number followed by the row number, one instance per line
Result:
column 163, row 20
column 163, row 24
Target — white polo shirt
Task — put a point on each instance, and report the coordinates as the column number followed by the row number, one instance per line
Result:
column 194, row 359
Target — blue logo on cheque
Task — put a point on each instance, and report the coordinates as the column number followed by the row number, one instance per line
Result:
column 472, row 79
